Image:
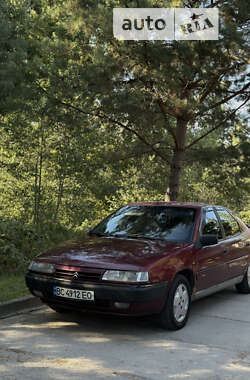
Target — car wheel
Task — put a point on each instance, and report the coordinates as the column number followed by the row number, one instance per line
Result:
column 58, row 309
column 244, row 285
column 175, row 314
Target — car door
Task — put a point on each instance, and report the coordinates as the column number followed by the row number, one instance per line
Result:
column 210, row 260
column 236, row 255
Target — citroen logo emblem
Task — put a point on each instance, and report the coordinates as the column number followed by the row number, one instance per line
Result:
column 75, row 276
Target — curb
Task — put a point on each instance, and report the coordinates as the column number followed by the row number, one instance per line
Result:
column 18, row 305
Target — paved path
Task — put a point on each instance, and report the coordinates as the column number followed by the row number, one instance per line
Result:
column 215, row 345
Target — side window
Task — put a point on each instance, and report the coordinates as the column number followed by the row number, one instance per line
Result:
column 210, row 225
column 230, row 225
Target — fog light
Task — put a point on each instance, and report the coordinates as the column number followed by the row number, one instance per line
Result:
column 121, row 305
column 37, row 293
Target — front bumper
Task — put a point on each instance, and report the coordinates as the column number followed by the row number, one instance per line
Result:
column 141, row 299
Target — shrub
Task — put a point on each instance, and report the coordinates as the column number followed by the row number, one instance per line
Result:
column 19, row 243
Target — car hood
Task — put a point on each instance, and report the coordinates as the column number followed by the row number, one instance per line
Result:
column 112, row 253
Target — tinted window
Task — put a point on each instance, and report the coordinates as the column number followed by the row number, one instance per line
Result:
column 230, row 225
column 211, row 224
column 154, row 222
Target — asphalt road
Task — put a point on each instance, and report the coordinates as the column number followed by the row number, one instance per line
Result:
column 43, row 345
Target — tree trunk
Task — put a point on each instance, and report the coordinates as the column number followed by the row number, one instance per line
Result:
column 177, row 160
column 59, row 197
column 38, row 179
column 35, row 189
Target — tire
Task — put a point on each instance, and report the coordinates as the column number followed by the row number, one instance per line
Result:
column 175, row 314
column 244, row 285
column 58, row 309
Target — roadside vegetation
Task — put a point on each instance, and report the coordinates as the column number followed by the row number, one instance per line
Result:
column 89, row 123
column 12, row 286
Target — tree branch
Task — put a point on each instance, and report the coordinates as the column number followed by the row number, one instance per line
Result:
column 225, row 100
column 211, row 84
column 217, row 126
column 141, row 138
column 209, row 88
column 164, row 113
column 137, row 155
column 159, row 101
column 96, row 113
column 212, row 5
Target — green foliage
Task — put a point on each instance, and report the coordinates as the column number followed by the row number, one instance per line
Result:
column 142, row 91
column 88, row 123
column 16, row 55
column 19, row 243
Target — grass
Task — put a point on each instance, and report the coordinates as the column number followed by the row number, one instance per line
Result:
column 12, row 286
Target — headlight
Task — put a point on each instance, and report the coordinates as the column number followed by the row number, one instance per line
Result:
column 36, row 266
column 125, row 276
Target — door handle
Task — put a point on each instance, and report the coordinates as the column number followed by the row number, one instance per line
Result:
column 225, row 251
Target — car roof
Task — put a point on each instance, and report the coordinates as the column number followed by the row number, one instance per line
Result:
column 172, row 204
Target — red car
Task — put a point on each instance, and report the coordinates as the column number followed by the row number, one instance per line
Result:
column 147, row 258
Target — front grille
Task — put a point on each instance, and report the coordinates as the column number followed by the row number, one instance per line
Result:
column 91, row 275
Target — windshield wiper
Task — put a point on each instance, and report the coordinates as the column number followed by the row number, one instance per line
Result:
column 130, row 236
column 134, row 236
column 138, row 236
column 97, row 233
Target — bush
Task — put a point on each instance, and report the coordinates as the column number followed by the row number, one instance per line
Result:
column 19, row 243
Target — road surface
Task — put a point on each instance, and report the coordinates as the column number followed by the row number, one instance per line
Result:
column 44, row 345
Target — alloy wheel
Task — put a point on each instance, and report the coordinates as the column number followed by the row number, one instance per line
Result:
column 181, row 302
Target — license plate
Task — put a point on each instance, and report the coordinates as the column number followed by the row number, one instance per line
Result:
column 77, row 294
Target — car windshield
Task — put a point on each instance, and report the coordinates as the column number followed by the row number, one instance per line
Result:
column 152, row 222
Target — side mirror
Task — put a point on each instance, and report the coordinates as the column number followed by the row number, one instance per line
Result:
column 208, row 240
